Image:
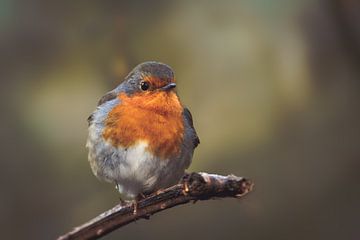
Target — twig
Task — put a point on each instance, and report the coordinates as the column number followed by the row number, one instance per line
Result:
column 193, row 187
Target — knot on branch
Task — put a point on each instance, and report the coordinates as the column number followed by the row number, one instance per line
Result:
column 194, row 184
column 205, row 186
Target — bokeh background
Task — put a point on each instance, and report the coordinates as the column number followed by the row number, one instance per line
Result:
column 273, row 86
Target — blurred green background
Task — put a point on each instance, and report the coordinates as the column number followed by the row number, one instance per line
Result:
column 273, row 87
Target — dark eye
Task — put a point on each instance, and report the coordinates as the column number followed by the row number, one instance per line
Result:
column 144, row 85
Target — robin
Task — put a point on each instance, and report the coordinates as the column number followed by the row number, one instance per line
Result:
column 141, row 138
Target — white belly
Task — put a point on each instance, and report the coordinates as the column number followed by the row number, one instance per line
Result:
column 135, row 170
column 139, row 170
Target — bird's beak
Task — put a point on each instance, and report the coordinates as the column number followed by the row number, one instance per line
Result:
column 169, row 86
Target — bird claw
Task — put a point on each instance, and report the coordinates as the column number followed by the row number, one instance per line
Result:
column 138, row 198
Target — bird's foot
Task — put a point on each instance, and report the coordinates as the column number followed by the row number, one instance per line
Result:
column 136, row 201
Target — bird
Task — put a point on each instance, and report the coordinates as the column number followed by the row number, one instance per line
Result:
column 140, row 136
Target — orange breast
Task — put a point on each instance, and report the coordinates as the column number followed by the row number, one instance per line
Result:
column 155, row 117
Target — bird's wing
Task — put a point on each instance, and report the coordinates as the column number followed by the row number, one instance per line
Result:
column 107, row 97
column 194, row 136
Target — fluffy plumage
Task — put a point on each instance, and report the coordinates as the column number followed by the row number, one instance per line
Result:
column 141, row 140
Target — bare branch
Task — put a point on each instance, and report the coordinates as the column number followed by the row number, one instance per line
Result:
column 193, row 187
